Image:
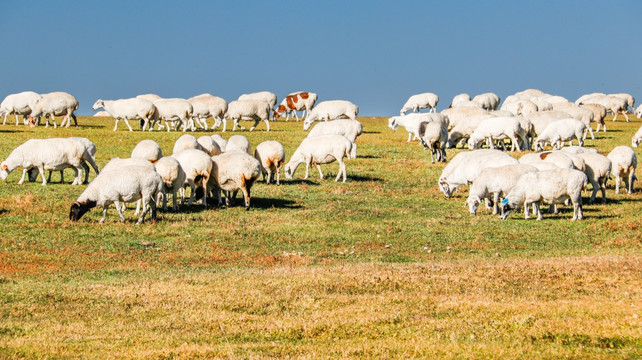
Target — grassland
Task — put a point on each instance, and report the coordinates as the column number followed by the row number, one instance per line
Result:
column 382, row 266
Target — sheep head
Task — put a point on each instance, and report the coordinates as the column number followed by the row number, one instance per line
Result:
column 78, row 209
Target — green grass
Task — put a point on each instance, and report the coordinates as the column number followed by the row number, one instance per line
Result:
column 380, row 266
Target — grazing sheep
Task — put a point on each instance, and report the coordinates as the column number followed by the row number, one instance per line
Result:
column 128, row 109
column 637, row 138
column 149, row 97
column 220, row 141
column 48, row 154
column 173, row 177
column 411, row 123
column 206, row 105
column 208, row 145
column 553, row 187
column 125, row 184
column 330, row 110
column 455, row 115
column 558, row 131
column 268, row 97
column 638, row 111
column 54, row 104
column 577, row 150
column 91, row 150
column 584, row 115
column 433, row 135
column 148, row 150
column 238, row 143
column 464, row 168
column 232, row 172
column 459, row 99
column 498, row 128
column 18, row 104
column 256, row 110
column 599, row 113
column 598, row 169
column 557, row 158
column 520, row 107
column 420, row 101
column 297, row 101
column 465, row 128
column 176, row 111
column 614, row 104
column 271, row 155
column 197, row 166
column 488, row 101
column 321, row 150
column 630, row 100
column 623, row 164
column 346, row 127
column 495, row 181
column 184, row 142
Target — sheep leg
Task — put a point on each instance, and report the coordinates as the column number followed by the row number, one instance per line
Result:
column 278, row 175
column 590, row 130
column 79, row 171
column 603, row 188
column 24, row 174
column 267, row 123
column 120, row 213
column 617, row 183
column 409, row 136
column 191, row 195
column 138, row 202
column 307, row 170
column 526, row 213
column 41, row 170
column 495, row 202
column 127, row 123
column 595, row 186
column 4, row 122
column 256, row 122
column 577, row 211
column 538, row 211
column 246, row 194
column 224, row 124
column 629, row 183
column 269, row 175
column 320, row 172
column 148, row 202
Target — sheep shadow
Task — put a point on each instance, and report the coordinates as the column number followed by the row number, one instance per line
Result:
column 372, row 132
column 268, row 203
column 364, row 178
column 367, row 157
column 9, row 131
column 297, row 182
column 3, row 211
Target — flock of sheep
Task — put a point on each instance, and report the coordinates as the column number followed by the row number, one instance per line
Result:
column 530, row 120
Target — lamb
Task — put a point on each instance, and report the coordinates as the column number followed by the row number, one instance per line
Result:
column 197, row 166
column 458, row 99
column 498, row 128
column 206, row 105
column 560, row 130
column 173, row 110
column 495, row 181
column 232, row 172
column 53, row 104
column 127, row 109
column 297, row 101
column 434, row 136
column 488, row 101
column 184, row 142
column 321, row 150
column 173, row 176
column 330, row 110
column 598, row 169
column 48, row 154
column 126, row 184
column 455, row 115
column 420, row 101
column 238, row 143
column 18, row 104
column 268, row 97
column 256, row 110
column 218, row 139
column 464, row 168
column 271, row 155
column 148, row 150
column 346, row 127
column 623, row 164
column 553, row 186
column 208, row 145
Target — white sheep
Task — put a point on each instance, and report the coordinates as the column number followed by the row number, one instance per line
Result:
column 149, row 97
column 614, row 104
column 495, row 181
column 268, row 97
column 577, row 150
column 102, row 113
column 599, row 113
column 637, row 138
column 623, row 164
column 598, row 170
column 54, row 154
column 433, row 135
column 122, row 185
column 584, row 115
column 542, row 105
column 330, row 110
column 173, row 177
column 197, row 166
column 464, row 168
column 460, row 98
column 346, row 127
column 256, row 110
column 630, row 100
column 271, row 155
column 296, row 101
column 455, row 115
column 148, row 150
column 488, row 101
column 552, row 186
column 520, row 107
column 411, row 122
column 465, row 128
column 127, row 109
column 558, row 131
column 238, row 143
column 467, row 104
column 220, row 141
column 206, row 105
column 321, row 150
column 54, row 104
column 560, row 159
column 232, row 172
column 638, row 111
column 209, row 145
column 420, row 101
column 186, row 141
column 118, row 163
column 18, row 104
column 498, row 128
column 175, row 111
column 91, row 150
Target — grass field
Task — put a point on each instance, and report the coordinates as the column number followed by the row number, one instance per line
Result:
column 382, row 266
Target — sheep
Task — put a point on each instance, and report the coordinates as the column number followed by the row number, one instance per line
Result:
column 346, row 127
column 530, row 93
column 208, row 145
column 561, row 130
column 598, row 169
column 552, row 186
column 520, row 107
column 125, row 184
column 173, row 177
column 554, row 99
column 117, row 163
column 630, row 100
column 420, row 101
column 184, row 142
column 488, row 101
column 584, row 115
column 206, row 105
column 48, row 154
column 467, row 104
column 461, row 98
column 321, row 150
column 18, row 104
column 614, row 104
column 232, row 172
column 102, row 113
column 173, row 110
column 542, row 105
column 599, row 113
column 433, row 135
column 296, row 101
column 330, row 110
column 411, row 123
column 465, row 128
column 560, row 159
column 149, row 97
column 501, row 113
column 268, row 97
column 577, row 150
column 638, row 111
column 197, row 166
column 271, row 155
column 53, row 104
column 495, row 181
column 455, row 115
column 623, row 164
column 127, row 109
column 465, row 166
column 148, row 150
column 238, row 143
column 637, row 138
column 220, row 141
column 91, row 150
column 498, row 128
column 238, row 110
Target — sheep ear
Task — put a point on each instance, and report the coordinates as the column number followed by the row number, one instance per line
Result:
column 5, row 167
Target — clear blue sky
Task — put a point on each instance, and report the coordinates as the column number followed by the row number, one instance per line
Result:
column 374, row 53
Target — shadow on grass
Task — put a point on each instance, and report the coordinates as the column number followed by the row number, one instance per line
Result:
column 10, row 131
column 364, row 178
column 3, row 211
column 372, row 132
column 299, row 182
column 367, row 157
